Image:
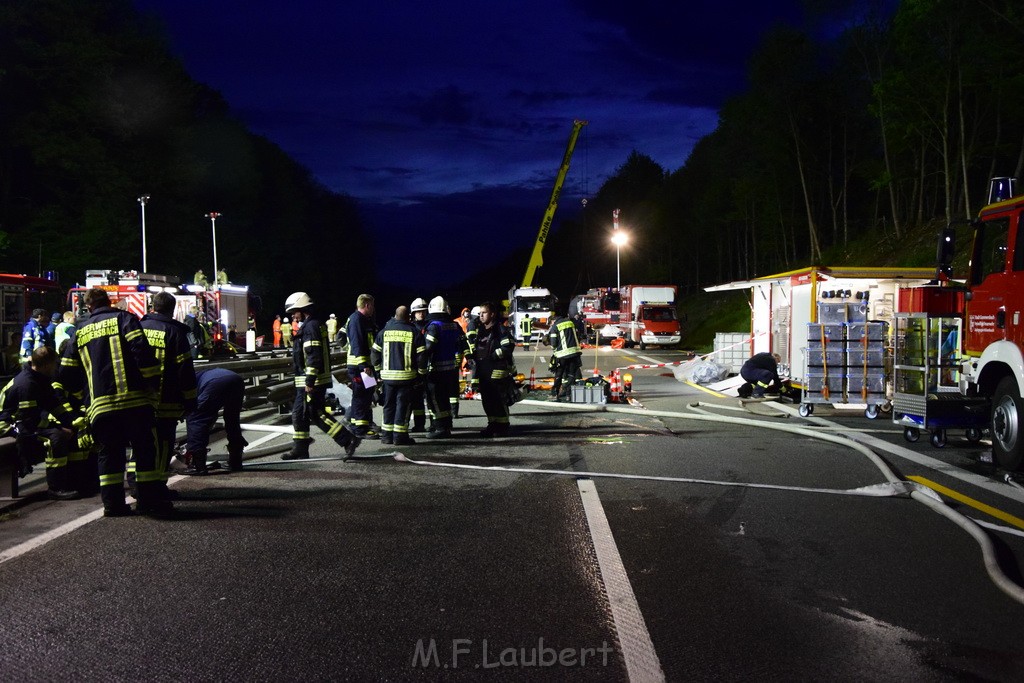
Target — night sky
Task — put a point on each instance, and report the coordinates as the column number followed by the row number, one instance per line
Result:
column 448, row 121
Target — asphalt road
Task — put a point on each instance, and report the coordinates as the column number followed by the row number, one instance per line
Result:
column 587, row 570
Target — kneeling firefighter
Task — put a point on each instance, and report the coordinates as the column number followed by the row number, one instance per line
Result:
column 311, row 360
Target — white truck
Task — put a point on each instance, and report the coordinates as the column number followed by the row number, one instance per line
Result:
column 537, row 303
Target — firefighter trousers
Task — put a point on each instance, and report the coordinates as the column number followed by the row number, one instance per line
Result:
column 360, row 412
column 310, row 408
column 569, row 371
column 114, row 432
column 442, row 387
column 51, row 445
column 492, row 394
column 397, row 407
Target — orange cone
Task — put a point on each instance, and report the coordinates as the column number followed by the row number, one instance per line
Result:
column 616, row 387
column 533, row 379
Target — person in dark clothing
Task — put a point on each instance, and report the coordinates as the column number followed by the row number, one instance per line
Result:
column 113, row 369
column 27, row 404
column 311, row 361
column 361, row 331
column 217, row 390
column 397, row 355
column 492, row 352
column 419, row 390
column 566, row 356
column 177, row 393
column 762, row 372
column 445, row 346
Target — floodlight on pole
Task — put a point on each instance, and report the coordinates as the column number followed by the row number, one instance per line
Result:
column 213, row 216
column 142, row 202
column 619, row 238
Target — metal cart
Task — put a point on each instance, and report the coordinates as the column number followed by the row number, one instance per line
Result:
column 845, row 361
column 927, row 377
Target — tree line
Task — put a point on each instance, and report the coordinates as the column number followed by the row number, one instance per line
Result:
column 888, row 123
column 95, row 112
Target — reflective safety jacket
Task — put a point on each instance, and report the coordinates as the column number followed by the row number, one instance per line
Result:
column 493, row 351
column 361, row 331
column 32, row 337
column 28, row 401
column 445, row 343
column 311, row 355
column 109, row 364
column 398, row 352
column 563, row 339
column 169, row 341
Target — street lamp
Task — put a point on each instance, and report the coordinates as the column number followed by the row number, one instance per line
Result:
column 142, row 202
column 213, row 216
column 619, row 238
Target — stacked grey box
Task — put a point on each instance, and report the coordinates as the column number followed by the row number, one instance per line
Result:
column 837, row 348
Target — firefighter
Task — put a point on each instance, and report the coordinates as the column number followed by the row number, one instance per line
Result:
column 566, row 355
column 217, row 389
column 526, row 329
column 311, row 361
column 200, row 279
column 398, row 356
column 473, row 384
column 445, row 346
column 361, row 331
column 286, row 332
column 34, row 335
column 332, row 328
column 199, row 336
column 43, row 426
column 63, row 331
column 276, row 328
column 110, row 364
column 492, row 353
column 222, row 277
column 177, row 393
column 419, row 392
column 762, row 372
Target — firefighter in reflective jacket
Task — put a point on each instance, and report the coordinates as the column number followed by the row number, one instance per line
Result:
column 361, row 331
column 398, row 355
column 311, row 360
column 43, row 426
column 445, row 345
column 112, row 367
column 566, row 355
column 419, row 391
column 493, row 355
column 177, row 394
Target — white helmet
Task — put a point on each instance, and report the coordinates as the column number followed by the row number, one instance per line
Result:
column 419, row 305
column 333, row 317
column 438, row 305
column 297, row 301
column 475, row 312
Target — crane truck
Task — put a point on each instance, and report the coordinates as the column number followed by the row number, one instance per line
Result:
column 538, row 302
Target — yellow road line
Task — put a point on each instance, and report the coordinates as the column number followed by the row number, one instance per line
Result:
column 710, row 391
column 976, row 504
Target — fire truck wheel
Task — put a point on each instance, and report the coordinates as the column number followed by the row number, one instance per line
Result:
column 1007, row 445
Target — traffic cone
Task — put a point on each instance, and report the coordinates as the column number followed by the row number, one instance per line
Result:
column 616, row 387
column 533, row 378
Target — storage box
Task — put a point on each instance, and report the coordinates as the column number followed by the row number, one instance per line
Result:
column 833, row 355
column 856, row 382
column 840, row 313
column 858, row 331
column 856, row 355
column 833, row 332
column 584, row 394
column 817, row 380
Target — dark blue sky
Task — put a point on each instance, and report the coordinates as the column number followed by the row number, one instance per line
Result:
column 449, row 120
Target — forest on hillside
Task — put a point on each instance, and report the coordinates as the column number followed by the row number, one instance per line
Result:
column 95, row 112
column 894, row 122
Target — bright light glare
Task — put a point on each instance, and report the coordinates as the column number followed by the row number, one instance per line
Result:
column 619, row 238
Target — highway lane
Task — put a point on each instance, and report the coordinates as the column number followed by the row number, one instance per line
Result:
column 326, row 570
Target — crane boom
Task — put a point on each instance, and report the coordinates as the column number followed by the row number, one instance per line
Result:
column 536, row 260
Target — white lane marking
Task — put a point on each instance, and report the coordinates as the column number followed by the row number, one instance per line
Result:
column 44, row 538
column 642, row 662
column 990, row 485
column 260, row 441
column 653, row 361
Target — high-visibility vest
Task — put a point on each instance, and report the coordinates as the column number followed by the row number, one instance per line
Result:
column 566, row 341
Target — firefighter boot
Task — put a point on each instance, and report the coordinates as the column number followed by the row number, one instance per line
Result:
column 196, row 463
column 418, row 423
column 235, row 456
column 299, row 451
column 151, row 500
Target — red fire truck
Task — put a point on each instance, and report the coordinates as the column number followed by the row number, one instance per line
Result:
column 21, row 294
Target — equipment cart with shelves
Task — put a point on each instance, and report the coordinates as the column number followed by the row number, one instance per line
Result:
column 845, row 360
column 926, row 376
